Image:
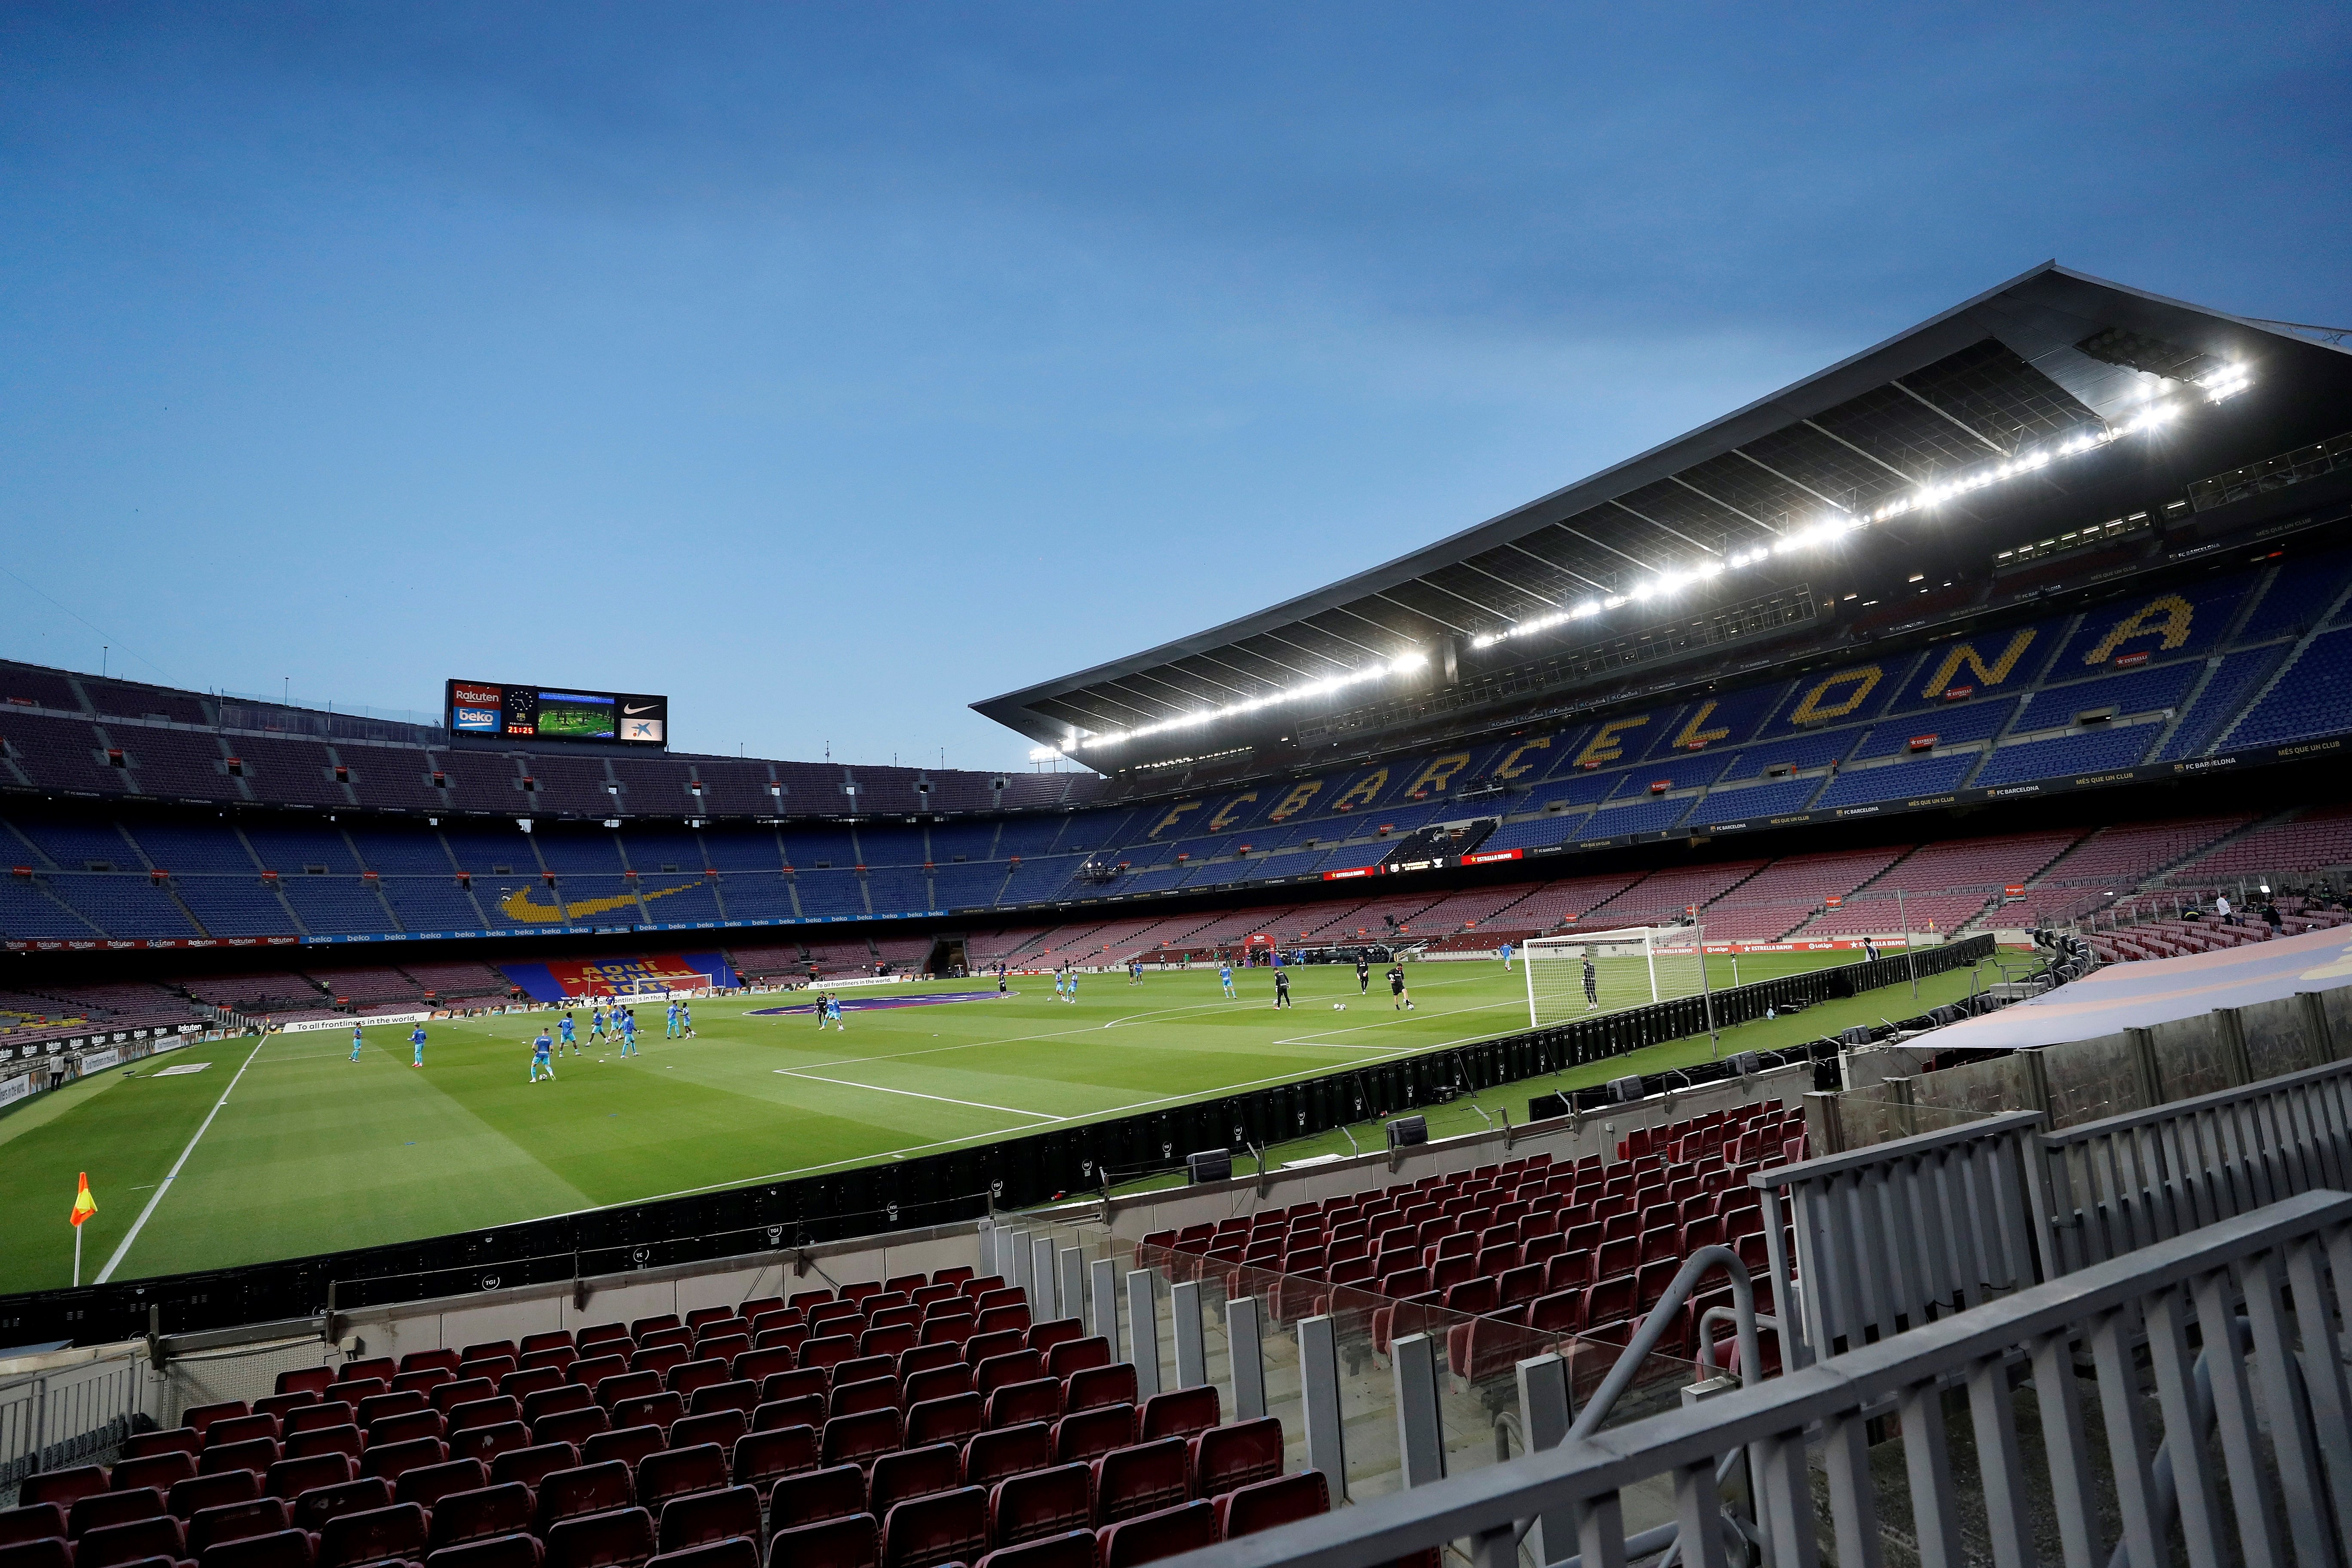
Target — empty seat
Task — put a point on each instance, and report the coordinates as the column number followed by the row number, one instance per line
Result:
column 1188, row 1527
column 483, row 1513
column 1071, row 1355
column 1075, row 1548
column 102, row 1509
column 409, row 1424
column 315, row 1416
column 1019, row 1404
column 661, row 1410
column 723, row 1427
column 1092, row 1432
column 345, row 1439
column 1261, row 1505
column 1141, row 1478
column 680, row 1472
column 394, row 1534
column 314, row 1508
column 304, row 1380
column 1091, row 1388
column 913, row 1473
column 1180, row 1413
column 46, row 1551
column 487, row 1443
column 63, row 1488
column 1224, row 1457
column 761, row 1458
column 937, row 1382
column 852, row 1541
column 803, row 1410
column 186, row 1439
column 186, row 1497
column 867, row 1394
column 573, row 1426
column 291, row 1478
column 448, row 1396
column 389, row 1460
column 515, row 1551
column 990, row 1457
column 815, row 1495
column 708, row 1516
column 737, row 1393
column 553, row 1401
column 629, row 1445
column 533, row 1464
column 932, row 1531
column 237, row 1521
column 584, row 1490
column 202, row 1416
column 280, row 1549
column 161, row 1470
column 157, row 1535
column 859, row 1439
column 945, row 1420
column 729, row 1551
column 620, row 1539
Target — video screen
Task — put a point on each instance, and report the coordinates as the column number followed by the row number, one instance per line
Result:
column 497, row 708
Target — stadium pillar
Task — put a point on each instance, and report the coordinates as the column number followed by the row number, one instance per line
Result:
column 1073, row 1282
column 1105, row 1319
column 1420, row 1430
column 1143, row 1332
column 1041, row 1275
column 1017, row 1242
column 1191, row 1340
column 1824, row 1126
column 1544, row 1419
column 1245, row 1346
column 1318, row 1398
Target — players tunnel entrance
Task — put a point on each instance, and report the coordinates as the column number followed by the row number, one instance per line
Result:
column 947, row 956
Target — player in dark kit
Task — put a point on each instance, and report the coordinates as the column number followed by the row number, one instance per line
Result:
column 1397, row 997
column 1592, row 985
column 1282, row 988
column 1363, row 975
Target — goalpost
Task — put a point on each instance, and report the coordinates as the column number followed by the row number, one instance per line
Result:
column 1630, row 967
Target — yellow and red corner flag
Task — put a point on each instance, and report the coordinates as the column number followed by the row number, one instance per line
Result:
column 84, row 1205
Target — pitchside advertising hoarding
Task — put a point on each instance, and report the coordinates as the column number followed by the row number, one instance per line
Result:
column 549, row 713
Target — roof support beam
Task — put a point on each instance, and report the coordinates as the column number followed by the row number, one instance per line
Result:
column 1970, row 431
column 1600, row 587
column 1787, row 481
column 1425, row 615
column 1865, row 456
column 1514, row 588
column 1704, row 495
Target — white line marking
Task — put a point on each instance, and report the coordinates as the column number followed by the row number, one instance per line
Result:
column 943, row 1099
column 139, row 1223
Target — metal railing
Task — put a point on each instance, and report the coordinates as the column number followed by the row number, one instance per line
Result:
column 1891, row 1237
column 67, row 1414
column 2122, row 1183
column 2133, row 1323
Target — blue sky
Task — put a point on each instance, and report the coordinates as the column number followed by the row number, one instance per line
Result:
column 831, row 367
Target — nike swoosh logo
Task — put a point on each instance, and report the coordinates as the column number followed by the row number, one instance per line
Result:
column 646, row 708
column 519, row 905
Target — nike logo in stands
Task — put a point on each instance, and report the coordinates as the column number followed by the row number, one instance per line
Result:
column 646, row 708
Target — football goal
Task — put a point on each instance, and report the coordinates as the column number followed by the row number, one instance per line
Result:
column 1578, row 976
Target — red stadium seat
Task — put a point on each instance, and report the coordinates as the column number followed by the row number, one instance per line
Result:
column 620, row 1539
column 728, row 1512
column 680, row 1472
column 1263, row 1505
column 1141, row 1478
column 237, row 1521
column 586, row 1490
column 1180, row 1413
column 1224, row 1457
column 852, row 1541
column 394, row 1534
column 103, row 1509
column 990, row 1457
column 1074, row 1549
column 517, row 1550
column 1189, row 1527
column 480, row 1514
column 1039, row 1503
column 811, row 1496
column 729, row 1551
column 629, row 1446
column 427, row 1484
column 761, row 1458
column 282, row 1549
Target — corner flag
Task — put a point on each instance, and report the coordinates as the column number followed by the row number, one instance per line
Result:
column 84, row 1207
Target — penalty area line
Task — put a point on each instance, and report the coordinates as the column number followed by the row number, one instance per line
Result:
column 165, row 1186
column 912, row 1094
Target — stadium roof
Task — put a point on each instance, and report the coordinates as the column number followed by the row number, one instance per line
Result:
column 2046, row 365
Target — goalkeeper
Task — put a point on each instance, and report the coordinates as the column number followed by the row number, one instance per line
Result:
column 1591, row 985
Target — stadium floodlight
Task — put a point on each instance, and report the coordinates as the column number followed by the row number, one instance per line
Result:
column 1044, row 754
column 1630, row 967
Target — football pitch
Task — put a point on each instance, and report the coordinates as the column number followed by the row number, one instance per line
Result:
column 250, row 1149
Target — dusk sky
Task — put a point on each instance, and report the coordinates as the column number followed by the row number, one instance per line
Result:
column 830, row 367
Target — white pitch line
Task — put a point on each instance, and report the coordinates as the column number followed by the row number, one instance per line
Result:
column 138, row 1223
column 912, row 1094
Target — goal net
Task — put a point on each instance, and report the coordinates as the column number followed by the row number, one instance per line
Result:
column 1577, row 976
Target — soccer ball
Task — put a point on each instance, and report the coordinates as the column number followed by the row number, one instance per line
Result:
column 1338, row 1006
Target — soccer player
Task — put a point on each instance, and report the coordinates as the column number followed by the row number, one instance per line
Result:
column 1226, row 977
column 833, row 1013
column 628, row 1027
column 355, row 1042
column 540, row 1049
column 686, row 1020
column 669, row 1022
column 596, row 1023
column 1398, row 997
column 1000, row 979
column 1073, row 998
column 1363, row 975
column 564, row 1030
column 1135, row 972
column 1869, row 949
column 1282, row 988
column 1591, row 985
column 417, row 1039
column 1057, row 983
column 1507, row 957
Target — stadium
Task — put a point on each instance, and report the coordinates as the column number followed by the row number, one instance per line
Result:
column 1685, row 1016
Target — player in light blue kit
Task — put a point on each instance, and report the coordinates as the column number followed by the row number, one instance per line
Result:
column 833, row 1015
column 596, row 1023
column 1057, row 985
column 355, row 1042
column 628, row 1034
column 1225, row 975
column 669, row 1022
column 541, row 1049
column 686, row 1020
column 564, row 1031
column 1507, row 957
column 1073, row 998
column 417, row 1039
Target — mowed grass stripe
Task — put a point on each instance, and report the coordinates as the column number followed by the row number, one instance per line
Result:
column 316, row 1153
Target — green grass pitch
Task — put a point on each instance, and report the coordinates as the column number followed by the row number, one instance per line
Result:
column 312, row 1151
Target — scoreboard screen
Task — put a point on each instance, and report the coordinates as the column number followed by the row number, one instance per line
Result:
column 540, row 713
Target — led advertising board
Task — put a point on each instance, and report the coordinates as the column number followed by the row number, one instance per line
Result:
column 490, row 708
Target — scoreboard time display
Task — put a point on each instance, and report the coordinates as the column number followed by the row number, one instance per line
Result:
column 494, row 708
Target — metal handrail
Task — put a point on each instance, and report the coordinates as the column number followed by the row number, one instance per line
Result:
column 2288, row 1473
